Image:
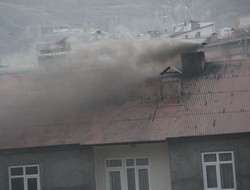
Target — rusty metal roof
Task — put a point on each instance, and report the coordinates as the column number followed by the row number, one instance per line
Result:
column 217, row 102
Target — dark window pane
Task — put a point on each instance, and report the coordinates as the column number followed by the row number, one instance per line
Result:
column 211, row 176
column 142, row 162
column 16, row 171
column 31, row 170
column 225, row 157
column 129, row 162
column 131, row 178
column 17, row 184
column 32, row 184
column 113, row 163
column 209, row 157
column 115, row 180
column 143, row 179
column 226, row 175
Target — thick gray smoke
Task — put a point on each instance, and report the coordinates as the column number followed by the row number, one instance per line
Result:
column 165, row 51
column 67, row 89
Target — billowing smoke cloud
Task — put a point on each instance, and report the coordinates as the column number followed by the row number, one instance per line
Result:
column 67, row 89
column 163, row 52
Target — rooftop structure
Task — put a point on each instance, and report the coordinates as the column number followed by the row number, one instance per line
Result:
column 52, row 49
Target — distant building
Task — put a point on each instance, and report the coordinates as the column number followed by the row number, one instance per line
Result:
column 53, row 49
column 194, row 29
column 244, row 21
column 234, row 46
column 225, row 32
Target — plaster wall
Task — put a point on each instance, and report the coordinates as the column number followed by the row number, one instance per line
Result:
column 158, row 157
column 204, row 32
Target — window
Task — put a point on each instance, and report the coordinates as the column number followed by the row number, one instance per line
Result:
column 24, row 177
column 219, row 171
column 128, row 174
column 198, row 35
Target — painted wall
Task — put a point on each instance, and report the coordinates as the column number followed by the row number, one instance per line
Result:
column 224, row 32
column 244, row 21
column 186, row 160
column 204, row 32
column 157, row 153
column 60, row 169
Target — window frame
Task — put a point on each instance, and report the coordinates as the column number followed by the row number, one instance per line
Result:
column 25, row 176
column 217, row 164
column 113, row 169
column 123, row 172
column 136, row 171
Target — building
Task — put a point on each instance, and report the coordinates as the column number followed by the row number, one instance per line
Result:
column 235, row 46
column 53, row 49
column 194, row 29
column 186, row 128
column 244, row 21
column 225, row 32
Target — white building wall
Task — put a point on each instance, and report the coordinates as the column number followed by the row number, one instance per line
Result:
column 224, row 32
column 204, row 32
column 157, row 153
column 244, row 21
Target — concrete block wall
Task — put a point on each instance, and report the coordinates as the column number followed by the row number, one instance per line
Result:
column 186, row 160
column 64, row 168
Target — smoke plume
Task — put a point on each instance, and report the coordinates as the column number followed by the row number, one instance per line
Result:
column 65, row 89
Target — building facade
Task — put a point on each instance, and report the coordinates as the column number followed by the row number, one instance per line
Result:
column 218, row 162
column 134, row 166
column 193, row 30
column 187, row 128
column 47, row 168
column 244, row 21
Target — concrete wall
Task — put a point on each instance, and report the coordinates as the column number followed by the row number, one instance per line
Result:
column 186, row 161
column 60, row 169
column 157, row 153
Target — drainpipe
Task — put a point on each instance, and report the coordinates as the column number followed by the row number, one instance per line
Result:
column 245, row 46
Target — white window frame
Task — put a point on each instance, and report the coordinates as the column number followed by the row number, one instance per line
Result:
column 25, row 176
column 217, row 165
column 114, row 169
column 136, row 171
column 123, row 172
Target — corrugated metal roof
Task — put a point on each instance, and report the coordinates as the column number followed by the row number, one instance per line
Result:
column 217, row 102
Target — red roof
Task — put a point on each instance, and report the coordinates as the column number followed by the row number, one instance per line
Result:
column 217, row 102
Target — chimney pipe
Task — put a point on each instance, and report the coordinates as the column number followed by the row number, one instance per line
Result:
column 192, row 63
